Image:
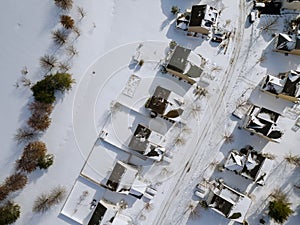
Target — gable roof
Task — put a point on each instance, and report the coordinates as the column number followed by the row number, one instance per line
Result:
column 121, row 177
column 178, row 60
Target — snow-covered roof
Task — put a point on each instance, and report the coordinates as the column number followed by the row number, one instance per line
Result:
column 122, row 177
column 228, row 201
column 250, row 164
column 264, row 122
column 78, row 204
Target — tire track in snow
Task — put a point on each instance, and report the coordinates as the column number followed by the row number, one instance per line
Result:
column 229, row 73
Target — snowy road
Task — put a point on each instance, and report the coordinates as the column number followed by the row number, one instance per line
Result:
column 178, row 195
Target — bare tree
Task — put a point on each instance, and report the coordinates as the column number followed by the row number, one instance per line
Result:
column 228, row 138
column 41, row 204
column 16, row 181
column 180, row 140
column 200, row 91
column 64, row 67
column 72, row 51
column 293, row 159
column 26, row 82
column 57, row 194
column 82, row 13
column 48, row 62
column 24, row 70
column 77, row 31
column 45, row 201
column 67, row 21
column 25, row 135
column 64, row 4
column 60, row 37
column 31, row 156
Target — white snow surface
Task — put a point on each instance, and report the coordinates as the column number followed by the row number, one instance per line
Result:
column 111, row 32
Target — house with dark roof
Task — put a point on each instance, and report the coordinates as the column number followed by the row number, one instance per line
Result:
column 288, row 43
column 263, row 122
column 228, row 201
column 121, row 177
column 249, row 163
column 105, row 212
column 185, row 64
column 200, row 19
column 147, row 142
column 285, row 85
column 165, row 103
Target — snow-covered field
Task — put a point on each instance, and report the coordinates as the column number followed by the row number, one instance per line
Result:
column 111, row 32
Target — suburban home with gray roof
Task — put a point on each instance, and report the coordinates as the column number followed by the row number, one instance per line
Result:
column 199, row 19
column 285, row 85
column 291, row 4
column 185, row 64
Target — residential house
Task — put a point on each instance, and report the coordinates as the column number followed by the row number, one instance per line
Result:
column 263, row 122
column 124, row 179
column 249, row 164
column 228, row 202
column 105, row 212
column 165, row 103
column 285, row 85
column 200, row 19
column 147, row 142
column 185, row 64
column 288, row 43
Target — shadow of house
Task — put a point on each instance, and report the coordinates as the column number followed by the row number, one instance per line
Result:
column 249, row 164
column 263, row 122
column 185, row 64
column 285, row 85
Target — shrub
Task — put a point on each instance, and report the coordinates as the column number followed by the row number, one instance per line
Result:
column 40, row 108
column 32, row 153
column 175, row 9
column 9, row 213
column 41, row 204
column 39, row 122
column 235, row 216
column 4, row 192
column 141, row 62
column 279, row 210
column 64, row 4
column 44, row 90
column 46, row 161
column 66, row 21
column 16, row 181
column 172, row 44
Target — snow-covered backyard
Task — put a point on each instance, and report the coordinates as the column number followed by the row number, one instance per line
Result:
column 109, row 95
